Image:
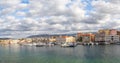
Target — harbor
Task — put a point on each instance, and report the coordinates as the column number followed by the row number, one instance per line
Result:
column 59, row 31
column 58, row 54
column 100, row 47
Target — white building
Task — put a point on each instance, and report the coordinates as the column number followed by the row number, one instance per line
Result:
column 99, row 38
column 70, row 39
column 14, row 41
column 60, row 39
column 112, row 38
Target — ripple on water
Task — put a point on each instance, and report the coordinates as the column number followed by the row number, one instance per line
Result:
column 79, row 54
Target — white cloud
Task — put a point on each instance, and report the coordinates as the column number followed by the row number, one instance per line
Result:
column 58, row 15
column 106, row 7
column 21, row 14
column 1, row 20
column 9, row 2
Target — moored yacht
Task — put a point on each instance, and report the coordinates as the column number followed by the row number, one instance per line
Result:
column 68, row 44
column 40, row 44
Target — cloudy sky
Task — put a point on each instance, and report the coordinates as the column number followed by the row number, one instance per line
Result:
column 20, row 18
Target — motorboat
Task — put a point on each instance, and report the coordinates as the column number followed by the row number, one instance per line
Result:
column 40, row 44
column 50, row 44
column 64, row 45
column 29, row 44
column 67, row 44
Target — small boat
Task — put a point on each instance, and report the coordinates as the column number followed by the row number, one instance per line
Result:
column 117, row 43
column 68, row 44
column 40, row 44
column 91, row 43
column 104, row 43
column 64, row 45
column 84, row 44
column 96, row 43
column 27, row 44
column 72, row 45
column 107, row 43
column 88, row 43
column 34, row 44
column 50, row 44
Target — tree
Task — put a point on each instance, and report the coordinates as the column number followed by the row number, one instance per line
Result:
column 79, row 39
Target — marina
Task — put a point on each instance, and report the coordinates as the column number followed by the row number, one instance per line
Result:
column 59, row 31
column 57, row 54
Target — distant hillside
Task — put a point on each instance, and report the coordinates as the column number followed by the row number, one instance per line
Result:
column 48, row 35
column 42, row 35
column 4, row 38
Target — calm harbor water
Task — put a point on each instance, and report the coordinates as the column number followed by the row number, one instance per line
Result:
column 56, row 54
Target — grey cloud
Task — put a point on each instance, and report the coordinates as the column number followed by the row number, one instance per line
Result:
column 58, row 16
column 93, row 18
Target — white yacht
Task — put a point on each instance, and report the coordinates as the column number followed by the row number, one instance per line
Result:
column 68, row 44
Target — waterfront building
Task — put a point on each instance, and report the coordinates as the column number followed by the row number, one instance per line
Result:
column 88, row 37
column 107, row 35
column 4, row 41
column 70, row 39
column 14, row 41
column 79, row 34
column 52, row 39
column 112, row 38
column 113, row 32
column 108, row 32
column 28, row 40
column 100, row 37
column 105, row 31
column 118, row 33
column 85, row 37
column 24, row 40
column 61, row 39
column 79, row 37
column 41, row 39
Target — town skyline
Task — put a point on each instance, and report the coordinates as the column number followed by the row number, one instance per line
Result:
column 35, row 33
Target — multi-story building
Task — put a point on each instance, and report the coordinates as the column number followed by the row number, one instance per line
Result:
column 85, row 37
column 108, row 32
column 118, row 33
column 4, row 41
column 99, row 37
column 70, row 39
column 62, row 39
column 52, row 39
column 112, row 38
column 40, row 39
column 14, row 41
column 107, row 35
column 105, row 31
column 79, row 37
column 113, row 32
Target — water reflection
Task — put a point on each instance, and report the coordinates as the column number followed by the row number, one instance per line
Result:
column 79, row 54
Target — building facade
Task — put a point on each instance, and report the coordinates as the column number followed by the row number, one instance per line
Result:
column 107, row 35
column 100, row 37
column 112, row 38
column 70, row 39
column 85, row 37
